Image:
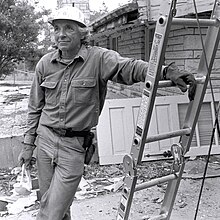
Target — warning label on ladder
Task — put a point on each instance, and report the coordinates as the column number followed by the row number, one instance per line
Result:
column 155, row 54
column 143, row 112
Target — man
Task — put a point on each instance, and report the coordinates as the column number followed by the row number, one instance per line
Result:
column 66, row 99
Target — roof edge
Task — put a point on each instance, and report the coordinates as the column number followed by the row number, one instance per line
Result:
column 115, row 13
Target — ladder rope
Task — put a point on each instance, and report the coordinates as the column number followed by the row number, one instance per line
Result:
column 206, row 165
column 206, row 61
column 216, row 123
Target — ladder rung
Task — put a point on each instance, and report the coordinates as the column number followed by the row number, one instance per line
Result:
column 156, row 181
column 167, row 135
column 193, row 22
column 169, row 83
column 165, row 83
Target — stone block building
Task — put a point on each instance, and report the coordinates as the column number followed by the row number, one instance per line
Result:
column 130, row 30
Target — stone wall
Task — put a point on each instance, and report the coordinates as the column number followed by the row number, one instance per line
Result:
column 184, row 48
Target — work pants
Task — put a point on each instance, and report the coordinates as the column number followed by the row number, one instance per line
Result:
column 60, row 162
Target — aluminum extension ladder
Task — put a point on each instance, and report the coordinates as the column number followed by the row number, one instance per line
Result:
column 152, row 83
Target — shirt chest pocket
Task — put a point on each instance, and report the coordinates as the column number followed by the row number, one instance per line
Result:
column 50, row 91
column 84, row 90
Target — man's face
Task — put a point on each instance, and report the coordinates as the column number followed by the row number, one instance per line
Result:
column 67, row 35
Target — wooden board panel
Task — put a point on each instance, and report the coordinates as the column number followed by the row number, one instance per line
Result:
column 184, row 7
column 117, row 125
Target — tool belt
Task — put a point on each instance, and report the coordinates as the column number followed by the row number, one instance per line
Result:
column 87, row 144
column 69, row 132
column 89, row 147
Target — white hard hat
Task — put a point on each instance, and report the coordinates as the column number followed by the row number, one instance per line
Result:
column 69, row 13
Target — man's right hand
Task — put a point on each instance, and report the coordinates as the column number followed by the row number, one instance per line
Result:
column 181, row 78
column 26, row 154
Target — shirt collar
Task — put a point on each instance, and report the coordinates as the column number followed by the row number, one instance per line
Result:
column 83, row 53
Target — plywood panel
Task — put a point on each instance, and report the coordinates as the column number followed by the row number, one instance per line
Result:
column 116, row 128
column 117, row 121
column 163, row 124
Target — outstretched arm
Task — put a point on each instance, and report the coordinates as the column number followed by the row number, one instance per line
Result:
column 181, row 78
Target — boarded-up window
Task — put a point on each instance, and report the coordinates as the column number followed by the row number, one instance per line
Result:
column 114, row 43
column 202, row 135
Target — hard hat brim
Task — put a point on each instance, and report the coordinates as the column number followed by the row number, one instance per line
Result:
column 51, row 21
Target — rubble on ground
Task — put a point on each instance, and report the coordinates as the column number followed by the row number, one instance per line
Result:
column 99, row 180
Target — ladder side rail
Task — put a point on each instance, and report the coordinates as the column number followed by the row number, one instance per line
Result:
column 170, row 194
column 148, row 98
column 211, row 46
column 151, row 82
column 213, row 35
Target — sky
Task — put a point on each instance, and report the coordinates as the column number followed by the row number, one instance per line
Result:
column 95, row 5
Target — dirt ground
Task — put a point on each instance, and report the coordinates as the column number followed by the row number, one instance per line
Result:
column 147, row 202
column 98, row 202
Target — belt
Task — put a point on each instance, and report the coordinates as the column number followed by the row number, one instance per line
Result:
column 69, row 132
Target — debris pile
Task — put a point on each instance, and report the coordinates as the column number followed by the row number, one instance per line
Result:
column 100, row 180
column 12, row 201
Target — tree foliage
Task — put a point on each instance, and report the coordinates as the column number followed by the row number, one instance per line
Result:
column 97, row 14
column 20, row 26
column 44, row 46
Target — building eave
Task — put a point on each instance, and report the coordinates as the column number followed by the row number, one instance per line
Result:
column 113, row 14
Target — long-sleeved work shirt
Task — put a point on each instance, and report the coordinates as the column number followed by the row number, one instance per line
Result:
column 72, row 95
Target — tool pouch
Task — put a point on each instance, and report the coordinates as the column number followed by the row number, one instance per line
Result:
column 89, row 147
